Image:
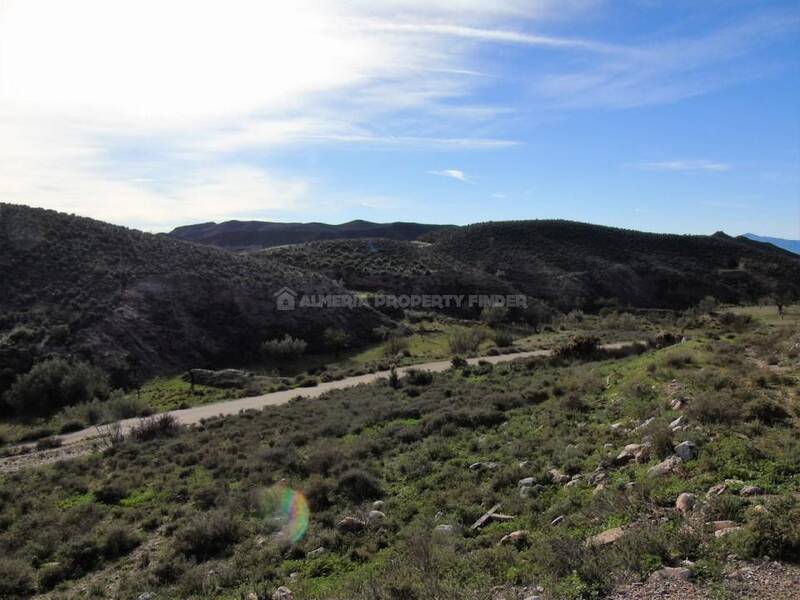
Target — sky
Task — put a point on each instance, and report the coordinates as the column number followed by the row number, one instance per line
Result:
column 672, row 116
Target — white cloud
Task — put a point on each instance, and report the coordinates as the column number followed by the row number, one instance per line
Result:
column 452, row 174
column 685, row 165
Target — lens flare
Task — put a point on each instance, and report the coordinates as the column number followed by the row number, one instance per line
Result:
column 287, row 509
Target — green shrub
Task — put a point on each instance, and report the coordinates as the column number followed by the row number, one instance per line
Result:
column 16, row 579
column 286, row 348
column 464, row 341
column 157, row 426
column 209, row 536
column 494, row 315
column 55, row 383
column 715, row 407
column 775, row 533
column 357, row 486
column 394, row 345
column 503, row 339
column 118, row 540
column 419, row 377
column 580, row 347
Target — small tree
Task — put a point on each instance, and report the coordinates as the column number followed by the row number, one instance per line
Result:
column 284, row 349
column 54, row 384
column 494, row 315
column 707, row 305
column 394, row 345
column 336, row 339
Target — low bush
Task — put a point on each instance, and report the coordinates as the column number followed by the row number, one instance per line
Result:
column 209, row 536
column 357, row 486
column 419, row 377
column 715, row 408
column 16, row 579
column 394, row 345
column 157, row 426
column 503, row 339
column 464, row 341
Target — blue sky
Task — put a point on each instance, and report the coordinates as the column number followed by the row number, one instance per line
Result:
column 673, row 115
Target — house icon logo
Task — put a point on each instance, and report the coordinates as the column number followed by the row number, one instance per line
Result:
column 285, row 298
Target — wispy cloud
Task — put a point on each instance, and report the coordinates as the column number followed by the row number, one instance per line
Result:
column 684, row 165
column 453, row 174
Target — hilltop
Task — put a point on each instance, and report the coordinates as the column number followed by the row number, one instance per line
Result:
column 253, row 235
column 577, row 264
column 138, row 304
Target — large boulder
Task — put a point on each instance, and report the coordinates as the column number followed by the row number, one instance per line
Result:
column 225, row 378
column 671, row 573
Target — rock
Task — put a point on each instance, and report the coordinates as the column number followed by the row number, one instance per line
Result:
column 445, row 529
column 685, row 502
column 532, row 598
column 760, row 509
column 631, row 485
column 576, row 480
column 351, row 524
column 671, row 573
column 375, row 517
column 318, row 552
column 617, row 426
column 686, row 450
column 251, row 596
column 146, row 596
column 558, row 477
column 599, row 487
column 294, row 575
column 679, row 422
column 716, row 490
column 751, row 490
column 526, row 482
column 723, row 532
column 282, row 593
column 720, row 525
column 666, row 467
column 638, row 452
column 609, row 536
column 608, row 445
column 677, row 403
column 483, row 466
column 598, row 476
column 643, row 425
column 225, row 378
column 378, row 504
column 557, row 521
column 515, row 537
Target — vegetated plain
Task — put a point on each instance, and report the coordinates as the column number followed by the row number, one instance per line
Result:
column 176, row 512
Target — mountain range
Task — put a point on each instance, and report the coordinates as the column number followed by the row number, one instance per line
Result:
column 138, row 304
column 790, row 245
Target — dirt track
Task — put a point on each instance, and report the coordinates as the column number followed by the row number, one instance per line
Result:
column 80, row 442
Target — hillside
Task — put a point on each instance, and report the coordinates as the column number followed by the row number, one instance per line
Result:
column 792, row 246
column 577, row 264
column 138, row 304
column 253, row 235
column 389, row 266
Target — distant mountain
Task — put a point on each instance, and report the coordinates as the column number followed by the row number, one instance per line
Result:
column 255, row 235
column 137, row 304
column 790, row 245
column 573, row 264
